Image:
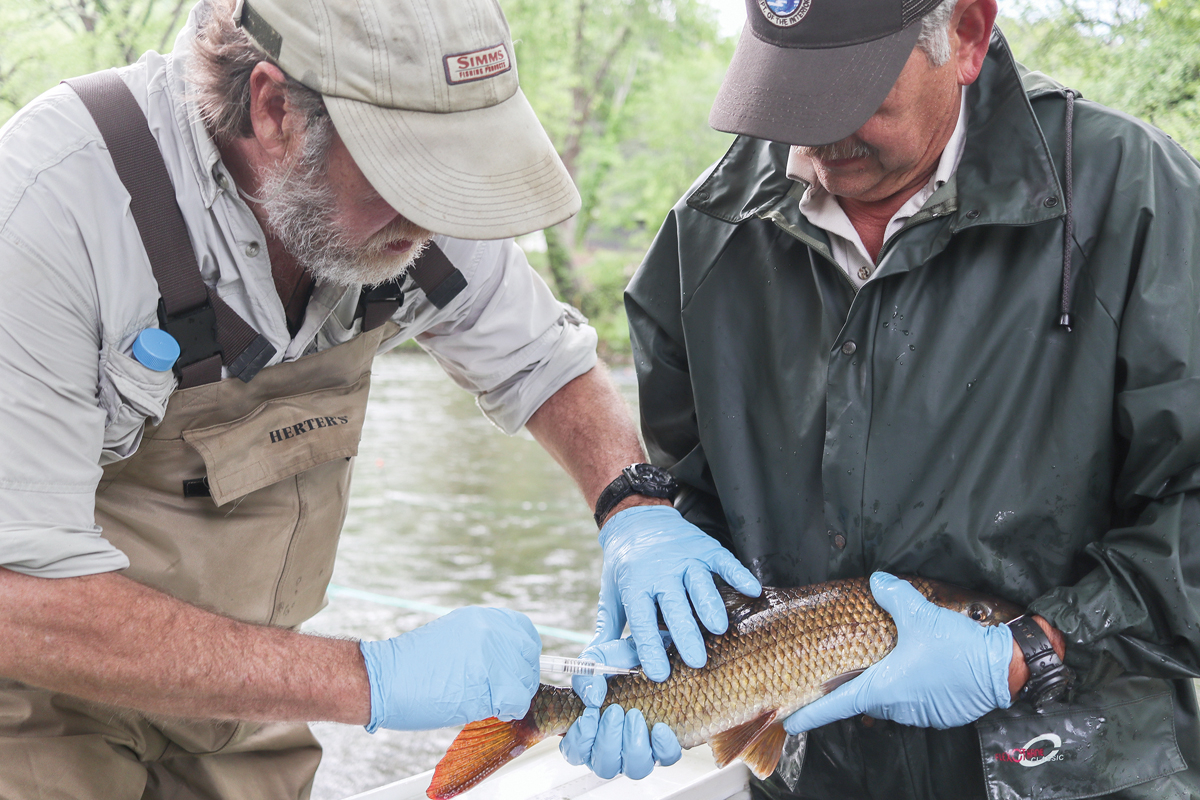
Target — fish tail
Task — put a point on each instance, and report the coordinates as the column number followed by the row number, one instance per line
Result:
column 485, row 746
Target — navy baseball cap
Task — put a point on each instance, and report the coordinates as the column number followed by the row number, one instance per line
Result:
column 811, row 72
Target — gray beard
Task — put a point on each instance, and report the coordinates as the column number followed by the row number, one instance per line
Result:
column 300, row 206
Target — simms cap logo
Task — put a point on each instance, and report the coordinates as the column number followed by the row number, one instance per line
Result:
column 477, row 65
column 784, row 13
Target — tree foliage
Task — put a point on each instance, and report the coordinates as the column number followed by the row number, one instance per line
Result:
column 623, row 87
column 44, row 41
column 1140, row 57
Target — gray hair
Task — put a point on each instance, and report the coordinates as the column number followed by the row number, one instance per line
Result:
column 223, row 57
column 935, row 33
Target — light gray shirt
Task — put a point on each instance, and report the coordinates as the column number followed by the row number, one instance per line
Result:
column 76, row 288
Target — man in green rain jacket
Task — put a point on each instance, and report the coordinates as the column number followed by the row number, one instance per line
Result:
column 878, row 355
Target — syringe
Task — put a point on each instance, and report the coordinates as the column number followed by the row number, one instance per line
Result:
column 580, row 666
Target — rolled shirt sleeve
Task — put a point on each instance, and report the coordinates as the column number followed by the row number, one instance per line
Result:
column 51, row 428
column 505, row 338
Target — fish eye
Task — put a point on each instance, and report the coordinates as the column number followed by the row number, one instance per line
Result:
column 977, row 612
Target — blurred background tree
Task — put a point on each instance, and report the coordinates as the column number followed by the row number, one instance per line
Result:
column 1140, row 57
column 624, row 87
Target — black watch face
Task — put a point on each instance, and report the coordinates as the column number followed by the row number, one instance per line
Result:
column 652, row 479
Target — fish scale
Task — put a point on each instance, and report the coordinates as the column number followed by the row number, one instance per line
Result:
column 782, row 650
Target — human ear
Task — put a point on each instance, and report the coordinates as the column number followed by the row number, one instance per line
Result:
column 971, row 25
column 270, row 116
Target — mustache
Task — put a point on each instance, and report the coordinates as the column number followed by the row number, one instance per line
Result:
column 850, row 147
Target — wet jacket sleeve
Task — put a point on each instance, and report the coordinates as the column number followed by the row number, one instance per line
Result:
column 1138, row 604
column 508, row 340
column 653, row 305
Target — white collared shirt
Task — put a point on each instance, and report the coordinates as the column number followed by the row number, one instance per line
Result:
column 78, row 288
column 823, row 209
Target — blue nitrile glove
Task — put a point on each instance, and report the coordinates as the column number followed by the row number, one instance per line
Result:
column 945, row 671
column 615, row 741
column 471, row 664
column 651, row 553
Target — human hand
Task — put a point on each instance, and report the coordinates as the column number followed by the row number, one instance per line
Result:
column 471, row 664
column 946, row 670
column 651, row 553
column 616, row 741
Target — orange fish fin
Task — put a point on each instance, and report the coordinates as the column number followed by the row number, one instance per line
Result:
column 836, row 681
column 728, row 745
column 763, row 755
column 479, row 750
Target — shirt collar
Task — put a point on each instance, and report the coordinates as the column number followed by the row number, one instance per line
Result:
column 204, row 157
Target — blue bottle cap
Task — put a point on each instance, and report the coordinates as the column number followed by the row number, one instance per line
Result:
column 156, row 349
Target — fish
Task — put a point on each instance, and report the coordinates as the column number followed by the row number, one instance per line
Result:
column 781, row 651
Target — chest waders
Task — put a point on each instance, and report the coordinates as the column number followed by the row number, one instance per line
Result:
column 234, row 503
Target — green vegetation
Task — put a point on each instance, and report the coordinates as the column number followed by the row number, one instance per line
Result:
column 624, row 87
column 1140, row 57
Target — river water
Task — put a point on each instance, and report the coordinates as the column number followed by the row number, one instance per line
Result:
column 447, row 510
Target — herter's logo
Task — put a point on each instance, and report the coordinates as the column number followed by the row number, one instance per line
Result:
column 299, row 429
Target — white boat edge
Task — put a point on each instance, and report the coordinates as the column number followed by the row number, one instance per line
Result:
column 541, row 773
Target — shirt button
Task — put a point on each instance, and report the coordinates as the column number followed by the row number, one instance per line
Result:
column 849, row 347
column 252, row 249
column 839, row 542
column 864, row 273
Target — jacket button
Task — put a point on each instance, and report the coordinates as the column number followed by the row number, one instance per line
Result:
column 849, row 347
column 839, row 542
column 973, row 214
column 1050, row 202
column 868, row 722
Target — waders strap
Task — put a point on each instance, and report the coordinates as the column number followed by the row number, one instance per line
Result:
column 209, row 332
column 432, row 272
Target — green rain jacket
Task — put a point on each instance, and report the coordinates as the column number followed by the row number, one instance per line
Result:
column 940, row 423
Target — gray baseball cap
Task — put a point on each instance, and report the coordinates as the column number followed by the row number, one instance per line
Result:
column 810, row 72
column 424, row 94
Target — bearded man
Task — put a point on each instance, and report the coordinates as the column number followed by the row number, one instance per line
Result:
column 932, row 314
column 201, row 255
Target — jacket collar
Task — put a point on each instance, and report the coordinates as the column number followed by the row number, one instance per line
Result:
column 1006, row 174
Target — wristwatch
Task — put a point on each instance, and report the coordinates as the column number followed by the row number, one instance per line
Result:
column 1049, row 678
column 644, row 479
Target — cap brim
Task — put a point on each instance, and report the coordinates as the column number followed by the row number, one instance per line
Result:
column 808, row 96
column 488, row 173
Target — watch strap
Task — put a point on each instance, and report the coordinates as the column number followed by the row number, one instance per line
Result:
column 1049, row 677
column 629, row 482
